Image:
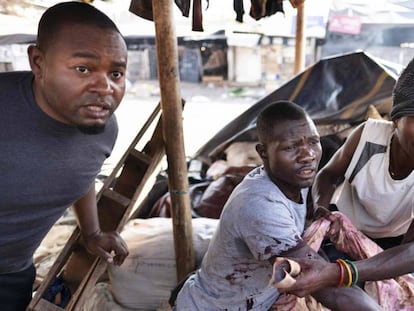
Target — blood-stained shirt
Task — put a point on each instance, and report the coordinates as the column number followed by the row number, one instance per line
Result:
column 257, row 223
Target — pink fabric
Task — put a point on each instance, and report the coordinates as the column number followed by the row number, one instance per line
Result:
column 393, row 294
column 307, row 303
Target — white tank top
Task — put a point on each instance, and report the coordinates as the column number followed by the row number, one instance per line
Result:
column 376, row 204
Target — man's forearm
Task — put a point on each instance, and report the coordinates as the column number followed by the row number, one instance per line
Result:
column 323, row 189
column 346, row 299
column 388, row 264
column 86, row 213
column 322, row 192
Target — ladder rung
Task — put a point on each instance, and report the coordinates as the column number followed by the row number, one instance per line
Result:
column 141, row 157
column 116, row 197
column 134, row 169
column 111, row 208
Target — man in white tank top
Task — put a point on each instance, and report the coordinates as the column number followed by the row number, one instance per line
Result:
column 376, row 162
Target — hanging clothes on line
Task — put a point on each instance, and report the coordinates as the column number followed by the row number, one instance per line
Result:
column 143, row 8
column 262, row 8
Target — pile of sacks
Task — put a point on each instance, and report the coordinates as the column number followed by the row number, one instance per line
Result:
column 146, row 278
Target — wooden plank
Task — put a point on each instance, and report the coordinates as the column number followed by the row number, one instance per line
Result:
column 132, row 173
column 141, row 157
column 86, row 287
column 112, row 206
column 54, row 271
column 116, row 197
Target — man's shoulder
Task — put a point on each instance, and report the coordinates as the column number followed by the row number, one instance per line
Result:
column 257, row 187
column 14, row 82
column 377, row 131
column 257, row 174
column 255, row 181
column 15, row 88
column 377, row 123
column 10, row 77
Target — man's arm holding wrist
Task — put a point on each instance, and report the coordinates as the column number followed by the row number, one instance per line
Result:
column 107, row 245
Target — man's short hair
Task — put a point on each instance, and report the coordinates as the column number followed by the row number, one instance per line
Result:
column 72, row 12
column 275, row 112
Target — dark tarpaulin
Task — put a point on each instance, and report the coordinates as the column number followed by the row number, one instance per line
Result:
column 335, row 90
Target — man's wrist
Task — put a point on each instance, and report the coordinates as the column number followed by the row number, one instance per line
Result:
column 320, row 211
column 335, row 275
column 90, row 233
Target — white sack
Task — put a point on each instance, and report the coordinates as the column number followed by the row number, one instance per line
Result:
column 146, row 278
column 102, row 300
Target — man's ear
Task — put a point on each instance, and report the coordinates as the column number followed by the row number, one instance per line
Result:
column 35, row 60
column 261, row 150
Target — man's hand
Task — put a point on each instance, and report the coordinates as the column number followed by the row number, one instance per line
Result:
column 321, row 212
column 336, row 222
column 108, row 245
column 335, row 227
column 315, row 275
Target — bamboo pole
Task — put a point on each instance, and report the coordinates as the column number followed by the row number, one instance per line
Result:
column 168, row 76
column 300, row 47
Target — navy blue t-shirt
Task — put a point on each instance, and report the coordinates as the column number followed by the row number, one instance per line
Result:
column 45, row 166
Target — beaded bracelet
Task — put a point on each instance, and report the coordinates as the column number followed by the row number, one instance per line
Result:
column 347, row 270
column 341, row 274
column 356, row 275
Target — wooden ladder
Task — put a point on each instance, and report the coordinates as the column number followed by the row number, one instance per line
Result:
column 116, row 201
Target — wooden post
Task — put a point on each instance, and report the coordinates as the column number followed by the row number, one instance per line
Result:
column 168, row 76
column 300, row 47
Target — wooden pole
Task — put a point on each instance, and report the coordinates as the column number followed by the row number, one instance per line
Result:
column 168, row 76
column 300, row 47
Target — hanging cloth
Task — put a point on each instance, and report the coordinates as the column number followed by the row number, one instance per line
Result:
column 143, row 8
